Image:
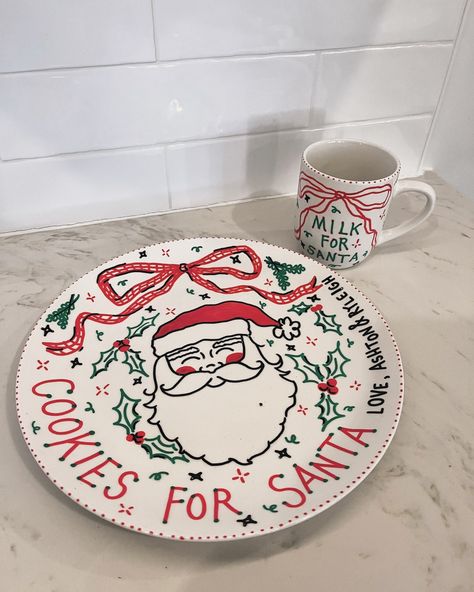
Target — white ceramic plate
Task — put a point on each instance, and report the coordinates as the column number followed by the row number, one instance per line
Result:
column 209, row 389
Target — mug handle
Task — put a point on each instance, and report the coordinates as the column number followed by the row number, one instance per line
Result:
column 403, row 187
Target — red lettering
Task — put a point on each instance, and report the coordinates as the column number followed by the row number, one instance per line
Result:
column 333, row 464
column 306, row 477
column 356, row 435
column 225, row 501
column 77, row 425
column 45, row 407
column 96, row 471
column 170, row 501
column 123, row 487
column 329, row 442
column 299, row 493
column 189, row 506
column 69, row 391
column 75, row 442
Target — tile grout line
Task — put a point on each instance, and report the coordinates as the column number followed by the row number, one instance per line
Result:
column 154, row 29
column 194, row 141
column 248, row 56
column 444, row 86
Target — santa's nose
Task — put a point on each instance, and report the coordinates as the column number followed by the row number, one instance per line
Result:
column 210, row 366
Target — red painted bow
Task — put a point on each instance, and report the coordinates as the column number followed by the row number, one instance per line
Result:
column 165, row 275
column 355, row 202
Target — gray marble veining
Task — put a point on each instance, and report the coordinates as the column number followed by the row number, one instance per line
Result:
column 409, row 526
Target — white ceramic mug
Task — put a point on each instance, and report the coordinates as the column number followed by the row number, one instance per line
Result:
column 345, row 189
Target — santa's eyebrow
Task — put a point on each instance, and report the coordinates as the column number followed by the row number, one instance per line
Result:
column 227, row 341
column 180, row 353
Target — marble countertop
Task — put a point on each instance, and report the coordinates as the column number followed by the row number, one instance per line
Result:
column 408, row 526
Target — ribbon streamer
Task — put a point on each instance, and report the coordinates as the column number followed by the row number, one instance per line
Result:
column 355, row 202
column 165, row 275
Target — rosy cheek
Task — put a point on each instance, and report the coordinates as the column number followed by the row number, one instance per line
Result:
column 185, row 370
column 234, row 357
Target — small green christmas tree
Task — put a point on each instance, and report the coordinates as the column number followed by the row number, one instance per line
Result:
column 61, row 315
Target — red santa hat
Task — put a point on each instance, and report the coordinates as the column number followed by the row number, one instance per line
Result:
column 226, row 318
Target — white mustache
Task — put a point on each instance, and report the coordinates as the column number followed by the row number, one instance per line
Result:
column 192, row 383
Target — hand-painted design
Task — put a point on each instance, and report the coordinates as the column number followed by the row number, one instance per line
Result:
column 335, row 362
column 205, row 296
column 292, row 439
column 137, row 437
column 273, row 508
column 240, row 476
column 268, row 282
column 150, row 309
column 196, row 476
column 270, row 342
column 126, row 509
column 158, row 476
column 35, row 428
column 235, row 259
column 314, row 298
column 102, row 390
column 349, row 408
column 350, row 343
column 356, row 202
column 90, row 297
column 196, row 248
column 283, row 453
column 311, row 340
column 290, row 347
column 311, row 372
column 247, row 520
column 307, row 233
column 301, row 409
column 89, row 408
column 164, row 277
column 42, row 365
column 190, row 291
column 330, row 386
column 137, row 380
column 300, row 308
column 142, row 254
column 46, row 330
column 75, row 362
column 127, row 414
column 288, row 329
column 334, row 210
column 281, row 271
column 99, row 335
column 364, row 254
column 122, row 283
column 356, row 243
column 165, row 252
column 307, row 198
column 61, row 315
column 170, row 311
column 160, row 447
column 327, row 322
column 327, row 410
column 355, row 385
column 144, row 324
column 262, row 304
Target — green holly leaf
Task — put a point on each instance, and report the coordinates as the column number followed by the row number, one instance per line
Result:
column 105, row 359
column 61, row 315
column 327, row 322
column 311, row 372
column 135, row 362
column 300, row 308
column 126, row 409
column 144, row 324
column 335, row 362
column 327, row 410
column 160, row 447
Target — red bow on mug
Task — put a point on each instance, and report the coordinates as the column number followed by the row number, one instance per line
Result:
column 165, row 275
column 355, row 202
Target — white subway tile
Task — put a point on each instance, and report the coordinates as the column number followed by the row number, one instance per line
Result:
column 209, row 28
column 203, row 173
column 80, row 188
column 45, row 113
column 56, row 33
column 380, row 82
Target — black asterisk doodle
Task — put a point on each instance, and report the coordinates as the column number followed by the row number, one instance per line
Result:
column 290, row 347
column 47, row 330
column 307, row 198
column 302, row 244
column 75, row 363
column 247, row 520
column 150, row 309
column 314, row 297
column 283, row 453
column 142, row 254
column 205, row 296
column 235, row 259
column 196, row 476
column 137, row 380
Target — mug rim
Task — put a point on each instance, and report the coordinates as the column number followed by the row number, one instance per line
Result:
column 352, row 141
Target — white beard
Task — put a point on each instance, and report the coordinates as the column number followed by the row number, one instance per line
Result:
column 232, row 422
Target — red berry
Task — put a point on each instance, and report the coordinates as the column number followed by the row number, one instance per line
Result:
column 322, row 386
column 332, row 382
column 129, row 437
column 140, row 434
column 333, row 390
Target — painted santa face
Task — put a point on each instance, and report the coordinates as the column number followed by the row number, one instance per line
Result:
column 205, row 391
